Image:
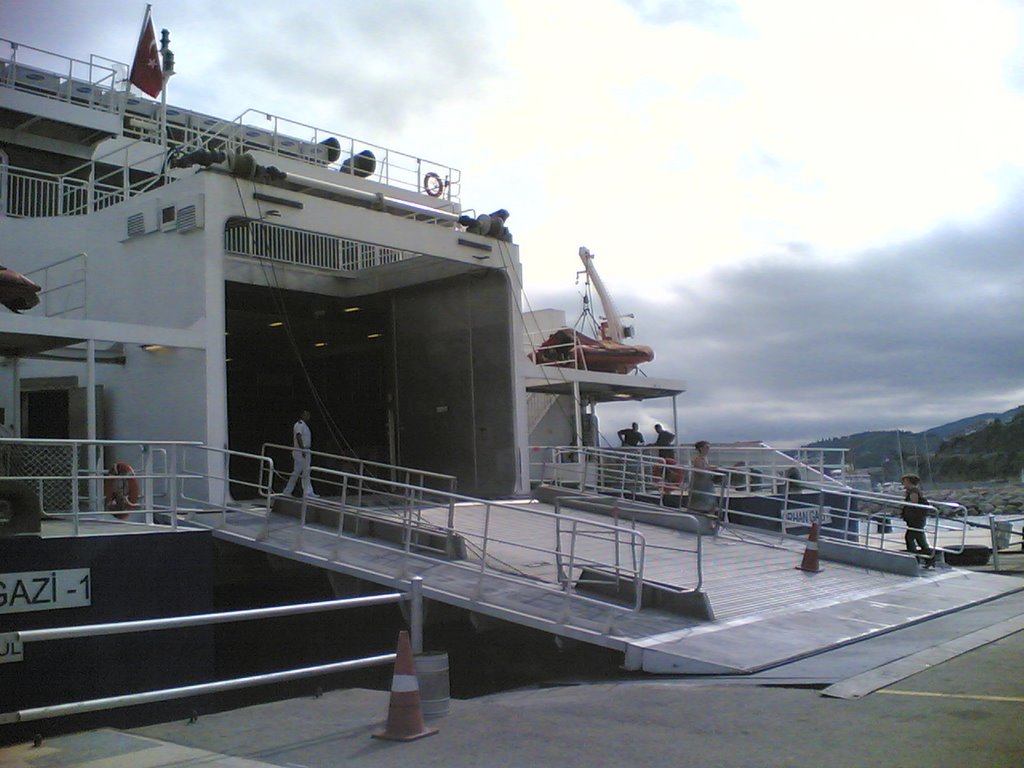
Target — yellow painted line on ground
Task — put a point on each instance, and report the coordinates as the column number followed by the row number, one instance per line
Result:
column 955, row 696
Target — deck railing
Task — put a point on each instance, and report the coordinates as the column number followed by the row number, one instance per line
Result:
column 291, row 245
column 101, row 84
column 485, row 535
column 173, row 483
column 363, row 468
column 75, row 479
column 851, row 516
column 64, row 288
column 94, row 83
column 18, row 640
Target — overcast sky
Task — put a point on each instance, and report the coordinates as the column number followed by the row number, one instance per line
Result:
column 812, row 207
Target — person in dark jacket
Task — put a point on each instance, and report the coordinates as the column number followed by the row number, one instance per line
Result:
column 665, row 438
column 631, row 436
column 915, row 518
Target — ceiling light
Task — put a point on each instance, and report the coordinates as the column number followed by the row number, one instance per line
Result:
column 276, row 324
column 352, row 309
column 374, row 336
column 320, row 344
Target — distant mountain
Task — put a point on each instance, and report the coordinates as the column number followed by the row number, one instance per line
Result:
column 883, row 448
column 972, row 423
column 996, row 451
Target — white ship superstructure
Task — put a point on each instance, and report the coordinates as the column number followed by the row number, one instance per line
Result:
column 205, row 280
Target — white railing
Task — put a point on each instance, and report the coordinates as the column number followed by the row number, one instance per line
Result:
column 37, row 194
column 93, row 83
column 177, row 480
column 74, row 479
column 302, row 247
column 101, row 84
column 640, row 476
column 485, row 536
column 1004, row 534
column 414, row 597
column 63, row 286
column 369, row 470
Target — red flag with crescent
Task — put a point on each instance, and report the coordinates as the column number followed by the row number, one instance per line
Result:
column 146, row 74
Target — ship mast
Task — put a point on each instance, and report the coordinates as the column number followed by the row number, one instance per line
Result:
column 613, row 324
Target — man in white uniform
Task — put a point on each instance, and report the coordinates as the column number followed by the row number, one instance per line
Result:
column 302, row 442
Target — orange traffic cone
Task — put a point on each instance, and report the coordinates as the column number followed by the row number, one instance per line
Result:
column 810, row 561
column 405, row 717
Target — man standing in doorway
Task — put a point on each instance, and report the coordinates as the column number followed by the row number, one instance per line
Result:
column 302, row 442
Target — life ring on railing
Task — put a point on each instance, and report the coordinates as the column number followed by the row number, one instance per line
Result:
column 121, row 489
column 433, row 185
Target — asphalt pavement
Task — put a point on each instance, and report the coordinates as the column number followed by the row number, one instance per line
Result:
column 966, row 711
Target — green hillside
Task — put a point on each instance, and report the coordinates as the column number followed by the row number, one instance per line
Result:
column 986, row 446
column 997, row 451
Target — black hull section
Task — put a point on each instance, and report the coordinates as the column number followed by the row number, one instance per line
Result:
column 131, row 577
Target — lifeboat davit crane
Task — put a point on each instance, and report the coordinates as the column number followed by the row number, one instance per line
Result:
column 606, row 351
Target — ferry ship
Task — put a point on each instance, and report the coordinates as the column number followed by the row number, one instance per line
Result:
column 204, row 280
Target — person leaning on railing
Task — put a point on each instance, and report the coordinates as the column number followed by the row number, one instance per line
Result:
column 915, row 517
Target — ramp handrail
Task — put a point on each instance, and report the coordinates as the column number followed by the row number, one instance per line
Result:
column 648, row 514
column 362, row 464
column 634, row 473
column 414, row 597
column 489, row 533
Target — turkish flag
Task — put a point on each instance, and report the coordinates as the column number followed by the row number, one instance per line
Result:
column 147, row 75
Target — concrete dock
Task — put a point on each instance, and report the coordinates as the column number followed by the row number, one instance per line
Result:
column 967, row 710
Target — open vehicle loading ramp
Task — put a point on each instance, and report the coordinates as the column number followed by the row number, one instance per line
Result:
column 731, row 603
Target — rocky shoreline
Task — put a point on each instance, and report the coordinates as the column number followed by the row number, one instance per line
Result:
column 985, row 500
column 1003, row 499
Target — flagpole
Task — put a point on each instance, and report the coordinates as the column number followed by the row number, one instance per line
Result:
column 167, row 60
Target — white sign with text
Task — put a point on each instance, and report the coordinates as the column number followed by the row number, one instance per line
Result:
column 45, row 590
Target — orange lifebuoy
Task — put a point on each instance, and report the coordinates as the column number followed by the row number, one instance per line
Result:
column 121, row 489
column 433, row 185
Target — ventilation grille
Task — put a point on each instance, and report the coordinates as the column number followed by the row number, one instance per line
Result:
column 136, row 225
column 187, row 218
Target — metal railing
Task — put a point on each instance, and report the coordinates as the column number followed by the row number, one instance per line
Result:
column 492, row 538
column 369, row 470
column 307, row 248
column 64, row 286
column 392, row 167
column 101, row 84
column 73, row 479
column 846, row 514
column 91, row 83
column 649, row 515
column 1004, row 535
column 190, row 481
column 414, row 596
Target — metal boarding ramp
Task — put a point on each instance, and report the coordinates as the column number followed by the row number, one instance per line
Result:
column 671, row 600
column 670, row 592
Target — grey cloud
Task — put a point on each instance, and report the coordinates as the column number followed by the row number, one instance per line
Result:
column 793, row 349
column 386, row 63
